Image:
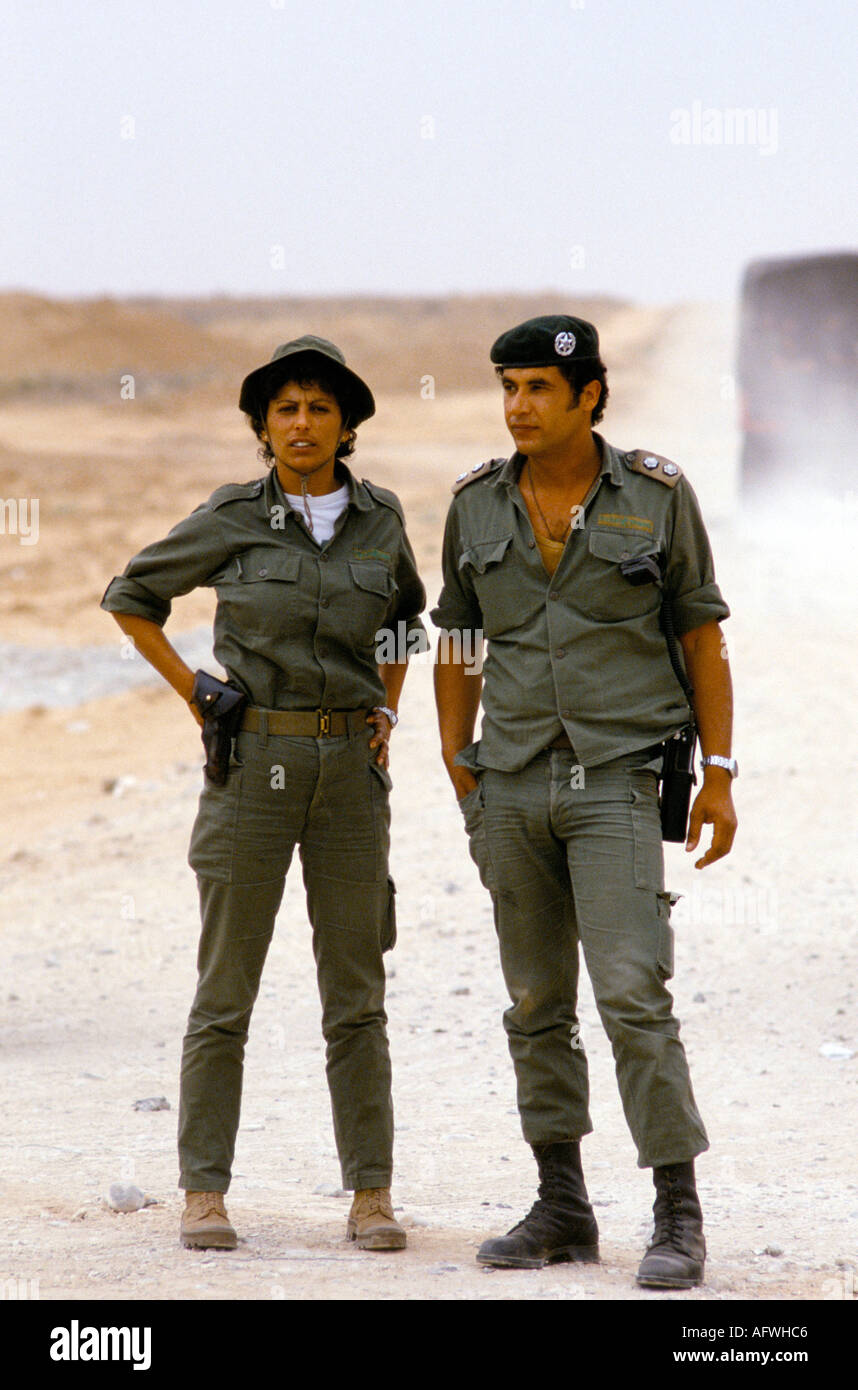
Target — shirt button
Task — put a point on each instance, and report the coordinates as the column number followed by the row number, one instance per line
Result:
column 561, row 651
column 324, row 603
column 531, row 544
column 263, row 572
column 554, row 595
column 567, row 713
column 323, row 556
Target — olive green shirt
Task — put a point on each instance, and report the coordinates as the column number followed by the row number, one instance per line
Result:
column 296, row 623
column 582, row 651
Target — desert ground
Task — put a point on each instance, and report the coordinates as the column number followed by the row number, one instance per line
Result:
column 119, row 418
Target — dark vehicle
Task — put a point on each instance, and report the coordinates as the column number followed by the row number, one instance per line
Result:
column 798, row 374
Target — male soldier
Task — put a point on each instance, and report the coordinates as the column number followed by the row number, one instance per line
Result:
column 560, row 794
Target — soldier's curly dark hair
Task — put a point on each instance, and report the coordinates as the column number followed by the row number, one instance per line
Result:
column 305, row 377
column 578, row 374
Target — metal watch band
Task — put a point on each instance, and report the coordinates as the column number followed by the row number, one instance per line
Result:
column 715, row 760
column 391, row 714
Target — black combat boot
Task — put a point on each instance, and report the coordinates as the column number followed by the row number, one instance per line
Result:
column 559, row 1226
column 675, row 1255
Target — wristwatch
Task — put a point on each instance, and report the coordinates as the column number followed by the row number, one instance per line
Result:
column 391, row 714
column 714, row 760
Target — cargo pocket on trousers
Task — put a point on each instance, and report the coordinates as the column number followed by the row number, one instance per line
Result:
column 664, row 943
column 388, row 940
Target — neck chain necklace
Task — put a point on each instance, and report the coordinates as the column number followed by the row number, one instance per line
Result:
column 551, row 535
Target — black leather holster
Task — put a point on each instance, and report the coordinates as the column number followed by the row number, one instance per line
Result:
column 677, row 775
column 222, row 707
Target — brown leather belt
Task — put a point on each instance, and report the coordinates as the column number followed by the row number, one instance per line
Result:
column 305, row 723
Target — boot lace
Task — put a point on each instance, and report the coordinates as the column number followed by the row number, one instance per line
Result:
column 374, row 1201
column 668, row 1226
column 203, row 1204
column 538, row 1211
column 545, row 1217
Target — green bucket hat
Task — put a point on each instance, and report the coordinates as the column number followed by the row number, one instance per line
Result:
column 356, row 395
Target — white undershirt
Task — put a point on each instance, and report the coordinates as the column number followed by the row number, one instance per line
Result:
column 324, row 510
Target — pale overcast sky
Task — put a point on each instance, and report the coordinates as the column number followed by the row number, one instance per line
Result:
column 275, row 147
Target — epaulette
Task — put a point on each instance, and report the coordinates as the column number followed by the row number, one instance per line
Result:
column 481, row 470
column 654, row 466
column 235, row 492
column 385, row 497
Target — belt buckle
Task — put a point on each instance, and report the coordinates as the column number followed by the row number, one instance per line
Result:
column 324, row 722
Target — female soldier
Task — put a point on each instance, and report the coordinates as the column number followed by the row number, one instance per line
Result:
column 308, row 565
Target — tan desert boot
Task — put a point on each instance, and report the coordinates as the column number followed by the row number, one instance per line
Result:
column 205, row 1225
column 371, row 1221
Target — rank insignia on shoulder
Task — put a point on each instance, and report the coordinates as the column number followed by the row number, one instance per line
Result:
column 653, row 465
column 478, row 471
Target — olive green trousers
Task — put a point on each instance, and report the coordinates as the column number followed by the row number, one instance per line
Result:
column 329, row 798
column 573, row 855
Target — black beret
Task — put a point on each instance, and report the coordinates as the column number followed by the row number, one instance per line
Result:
column 547, row 342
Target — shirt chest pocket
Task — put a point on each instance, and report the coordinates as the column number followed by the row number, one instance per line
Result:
column 488, row 566
column 605, row 593
column 261, row 591
column 366, row 600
